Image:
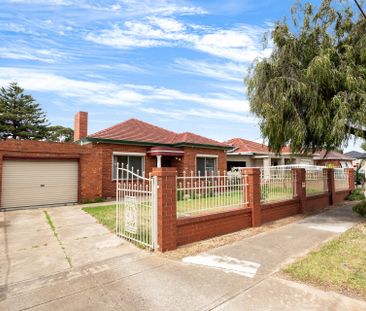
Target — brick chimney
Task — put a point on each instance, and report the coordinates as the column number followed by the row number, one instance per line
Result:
column 80, row 125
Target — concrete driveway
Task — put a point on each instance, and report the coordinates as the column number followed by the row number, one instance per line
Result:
column 41, row 242
column 107, row 273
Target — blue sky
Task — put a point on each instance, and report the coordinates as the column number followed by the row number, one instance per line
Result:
column 176, row 64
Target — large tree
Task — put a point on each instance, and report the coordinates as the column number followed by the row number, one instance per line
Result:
column 21, row 117
column 58, row 133
column 311, row 91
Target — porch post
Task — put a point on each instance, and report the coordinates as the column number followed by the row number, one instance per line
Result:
column 158, row 161
column 167, row 209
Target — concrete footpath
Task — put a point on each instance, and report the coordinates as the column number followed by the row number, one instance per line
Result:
column 110, row 275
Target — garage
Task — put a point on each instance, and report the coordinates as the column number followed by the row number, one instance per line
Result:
column 39, row 182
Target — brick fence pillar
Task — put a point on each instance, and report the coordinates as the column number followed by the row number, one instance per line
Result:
column 331, row 185
column 300, row 187
column 254, row 194
column 351, row 178
column 167, row 207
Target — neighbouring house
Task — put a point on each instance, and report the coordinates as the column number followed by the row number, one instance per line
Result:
column 143, row 146
column 246, row 153
column 333, row 158
column 359, row 159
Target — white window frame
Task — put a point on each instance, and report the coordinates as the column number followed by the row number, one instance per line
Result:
column 132, row 154
column 211, row 156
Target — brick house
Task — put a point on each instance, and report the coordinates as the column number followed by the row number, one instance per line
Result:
column 246, row 153
column 143, row 146
column 35, row 173
column 334, row 159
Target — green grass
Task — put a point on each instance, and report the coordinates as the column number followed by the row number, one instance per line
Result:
column 276, row 193
column 210, row 203
column 339, row 265
column 106, row 215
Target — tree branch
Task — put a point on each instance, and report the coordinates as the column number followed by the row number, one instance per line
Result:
column 360, row 8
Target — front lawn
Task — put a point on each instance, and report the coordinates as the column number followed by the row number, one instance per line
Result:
column 106, row 215
column 339, row 265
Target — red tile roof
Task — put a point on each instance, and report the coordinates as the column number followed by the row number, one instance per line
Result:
column 191, row 138
column 134, row 130
column 244, row 145
column 332, row 155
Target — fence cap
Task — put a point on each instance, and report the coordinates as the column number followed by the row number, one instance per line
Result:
column 164, row 171
column 250, row 171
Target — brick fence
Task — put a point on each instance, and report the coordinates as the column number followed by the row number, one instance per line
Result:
column 174, row 231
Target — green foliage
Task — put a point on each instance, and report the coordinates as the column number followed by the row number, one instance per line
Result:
column 59, row 133
column 360, row 208
column 20, row 115
column 356, row 195
column 311, row 92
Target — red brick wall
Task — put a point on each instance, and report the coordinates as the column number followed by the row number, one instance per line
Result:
column 316, row 202
column 192, row 229
column 278, row 210
column 339, row 196
column 106, row 150
column 188, row 162
column 90, row 186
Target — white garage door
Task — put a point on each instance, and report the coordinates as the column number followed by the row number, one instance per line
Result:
column 31, row 183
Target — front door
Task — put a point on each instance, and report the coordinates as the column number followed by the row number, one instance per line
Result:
column 166, row 161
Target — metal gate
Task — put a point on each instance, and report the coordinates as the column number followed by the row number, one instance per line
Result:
column 136, row 207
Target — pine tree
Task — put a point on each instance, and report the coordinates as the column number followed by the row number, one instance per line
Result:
column 21, row 117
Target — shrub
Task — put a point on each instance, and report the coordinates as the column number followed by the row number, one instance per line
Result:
column 360, row 208
column 356, row 195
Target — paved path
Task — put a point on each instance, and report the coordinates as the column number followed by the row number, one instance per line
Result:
column 110, row 274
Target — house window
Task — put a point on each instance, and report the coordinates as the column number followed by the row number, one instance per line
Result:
column 135, row 163
column 206, row 164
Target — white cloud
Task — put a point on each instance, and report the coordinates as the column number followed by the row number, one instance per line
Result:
column 240, row 44
column 85, row 91
column 44, row 2
column 26, row 53
column 181, row 114
column 106, row 93
column 225, row 71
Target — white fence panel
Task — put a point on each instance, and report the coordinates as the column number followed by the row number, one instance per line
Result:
column 277, row 184
column 316, row 181
column 211, row 192
column 341, row 179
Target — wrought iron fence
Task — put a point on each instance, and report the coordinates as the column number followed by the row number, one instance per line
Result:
column 341, row 179
column 277, row 184
column 211, row 192
column 136, row 207
column 316, row 181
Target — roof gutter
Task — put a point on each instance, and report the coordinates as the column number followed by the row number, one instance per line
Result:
column 142, row 143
